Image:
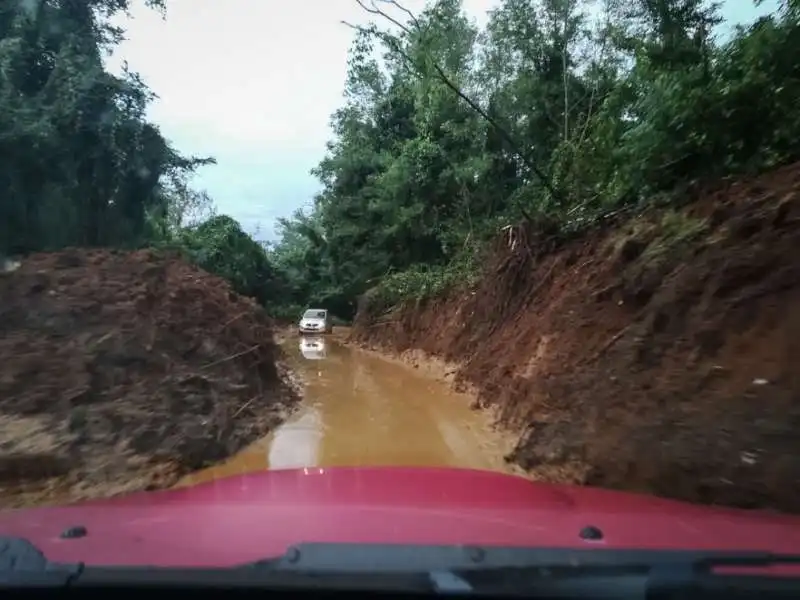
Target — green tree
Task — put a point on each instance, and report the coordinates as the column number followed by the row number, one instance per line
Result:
column 549, row 114
column 81, row 166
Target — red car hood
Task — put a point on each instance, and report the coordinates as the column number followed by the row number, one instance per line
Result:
column 250, row 517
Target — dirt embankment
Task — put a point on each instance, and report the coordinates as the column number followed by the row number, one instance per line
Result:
column 661, row 354
column 123, row 371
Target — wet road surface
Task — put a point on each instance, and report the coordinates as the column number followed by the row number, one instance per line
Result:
column 361, row 410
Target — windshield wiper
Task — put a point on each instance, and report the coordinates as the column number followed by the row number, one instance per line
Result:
column 454, row 570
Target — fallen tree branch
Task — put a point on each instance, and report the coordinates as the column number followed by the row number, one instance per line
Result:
column 232, row 357
column 243, row 406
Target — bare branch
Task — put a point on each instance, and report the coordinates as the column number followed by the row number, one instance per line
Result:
column 393, row 44
column 405, row 10
column 377, row 11
column 599, row 55
column 568, row 6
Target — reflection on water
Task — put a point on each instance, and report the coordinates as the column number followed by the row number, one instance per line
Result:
column 297, row 443
column 312, row 348
column 361, row 410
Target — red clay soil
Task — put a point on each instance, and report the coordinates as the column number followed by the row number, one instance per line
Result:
column 659, row 355
column 123, row 371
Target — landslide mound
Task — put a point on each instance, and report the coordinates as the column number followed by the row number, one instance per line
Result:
column 123, row 371
column 658, row 355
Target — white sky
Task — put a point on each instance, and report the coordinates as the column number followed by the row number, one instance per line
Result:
column 253, row 83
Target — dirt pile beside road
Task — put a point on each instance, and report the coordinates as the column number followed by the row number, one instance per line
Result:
column 125, row 370
column 659, row 354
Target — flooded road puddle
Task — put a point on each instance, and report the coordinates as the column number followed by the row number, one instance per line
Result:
column 361, row 410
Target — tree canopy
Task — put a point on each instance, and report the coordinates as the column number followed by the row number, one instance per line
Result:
column 564, row 110
column 560, row 111
column 81, row 165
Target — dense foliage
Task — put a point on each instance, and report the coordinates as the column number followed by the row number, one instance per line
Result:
column 449, row 133
column 80, row 163
column 220, row 246
column 559, row 110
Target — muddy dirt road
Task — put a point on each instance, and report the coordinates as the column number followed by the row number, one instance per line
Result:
column 361, row 410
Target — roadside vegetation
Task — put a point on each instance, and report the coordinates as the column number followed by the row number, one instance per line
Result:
column 83, row 167
column 560, row 113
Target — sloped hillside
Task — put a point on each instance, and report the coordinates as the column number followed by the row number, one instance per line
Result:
column 658, row 354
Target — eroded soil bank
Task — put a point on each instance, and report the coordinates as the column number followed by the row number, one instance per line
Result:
column 124, row 371
column 658, row 354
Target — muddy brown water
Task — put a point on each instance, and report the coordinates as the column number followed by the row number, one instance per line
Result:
column 362, row 410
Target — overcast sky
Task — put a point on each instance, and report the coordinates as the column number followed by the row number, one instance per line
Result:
column 253, row 83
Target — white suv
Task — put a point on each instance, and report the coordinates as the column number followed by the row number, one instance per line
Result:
column 315, row 320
